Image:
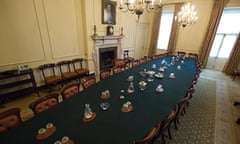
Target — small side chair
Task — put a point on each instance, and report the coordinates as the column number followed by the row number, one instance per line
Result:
column 44, row 103
column 49, row 74
column 9, row 119
column 69, row 90
column 105, row 73
column 88, row 81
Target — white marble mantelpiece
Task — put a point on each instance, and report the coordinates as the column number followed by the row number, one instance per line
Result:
column 101, row 42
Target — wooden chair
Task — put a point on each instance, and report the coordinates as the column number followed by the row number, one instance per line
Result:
column 9, row 119
column 181, row 110
column 78, row 67
column 69, row 90
column 148, row 58
column 135, row 63
column 50, row 77
column 190, row 92
column 167, row 122
column 120, row 63
column 105, row 73
column 116, row 69
column 142, row 60
column 44, row 103
column 151, row 136
column 66, row 72
column 181, row 53
column 193, row 55
column 235, row 73
column 88, row 81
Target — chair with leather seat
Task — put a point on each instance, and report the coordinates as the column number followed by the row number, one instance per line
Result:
column 135, row 63
column 44, row 103
column 148, row 58
column 88, row 81
column 151, row 136
column 69, row 90
column 181, row 111
column 105, row 73
column 181, row 53
column 66, row 71
column 166, row 123
column 49, row 74
column 193, row 55
column 9, row 119
column 78, row 67
column 116, row 69
column 235, row 73
column 142, row 60
column 120, row 63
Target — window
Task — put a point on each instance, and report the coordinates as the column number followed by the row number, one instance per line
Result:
column 226, row 34
column 165, row 29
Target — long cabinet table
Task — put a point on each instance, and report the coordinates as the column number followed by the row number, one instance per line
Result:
column 111, row 126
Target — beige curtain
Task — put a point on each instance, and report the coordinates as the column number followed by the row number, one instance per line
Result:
column 175, row 29
column 217, row 10
column 234, row 59
column 155, row 30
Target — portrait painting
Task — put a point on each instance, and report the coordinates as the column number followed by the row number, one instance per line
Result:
column 108, row 12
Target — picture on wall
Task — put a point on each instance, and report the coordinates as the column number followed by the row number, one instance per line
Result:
column 108, row 12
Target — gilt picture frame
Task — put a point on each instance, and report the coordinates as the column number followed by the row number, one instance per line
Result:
column 108, row 12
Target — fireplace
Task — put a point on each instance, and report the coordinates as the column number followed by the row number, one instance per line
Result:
column 106, row 49
column 106, row 57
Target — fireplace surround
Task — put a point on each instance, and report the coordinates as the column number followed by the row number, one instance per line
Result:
column 106, row 49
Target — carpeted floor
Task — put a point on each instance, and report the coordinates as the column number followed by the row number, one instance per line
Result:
column 198, row 124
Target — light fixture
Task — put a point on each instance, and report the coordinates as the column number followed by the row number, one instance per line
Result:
column 187, row 15
column 138, row 6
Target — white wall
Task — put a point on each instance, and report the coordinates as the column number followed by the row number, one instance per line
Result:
column 34, row 32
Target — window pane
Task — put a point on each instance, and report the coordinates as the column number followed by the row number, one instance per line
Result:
column 165, row 29
column 227, row 46
column 226, row 24
column 216, row 45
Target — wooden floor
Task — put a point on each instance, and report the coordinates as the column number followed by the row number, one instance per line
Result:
column 227, row 91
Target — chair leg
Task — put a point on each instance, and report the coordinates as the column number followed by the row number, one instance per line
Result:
column 163, row 140
column 175, row 123
column 188, row 104
column 169, row 133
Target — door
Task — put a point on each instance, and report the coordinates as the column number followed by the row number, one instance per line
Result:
column 141, row 40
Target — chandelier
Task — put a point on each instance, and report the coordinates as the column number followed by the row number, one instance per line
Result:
column 138, row 6
column 187, row 15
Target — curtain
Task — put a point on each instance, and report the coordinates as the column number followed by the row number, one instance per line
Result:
column 175, row 29
column 216, row 13
column 234, row 59
column 155, row 30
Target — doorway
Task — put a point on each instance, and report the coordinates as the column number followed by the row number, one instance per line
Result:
column 225, row 38
column 142, row 31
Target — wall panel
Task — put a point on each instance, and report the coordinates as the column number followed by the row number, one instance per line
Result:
column 20, row 38
column 62, row 27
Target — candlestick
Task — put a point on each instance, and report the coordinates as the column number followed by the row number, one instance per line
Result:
column 95, row 30
column 121, row 31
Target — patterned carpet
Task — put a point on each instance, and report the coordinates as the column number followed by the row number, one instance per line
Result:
column 197, row 126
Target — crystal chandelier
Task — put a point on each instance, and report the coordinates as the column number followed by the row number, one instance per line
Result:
column 187, row 15
column 138, row 6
